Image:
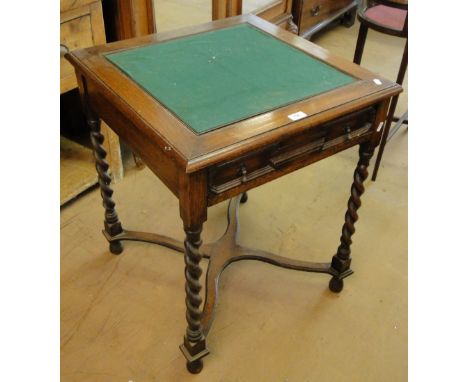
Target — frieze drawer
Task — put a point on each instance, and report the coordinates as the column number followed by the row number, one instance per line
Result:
column 257, row 164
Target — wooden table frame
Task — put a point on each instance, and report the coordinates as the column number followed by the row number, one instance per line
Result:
column 203, row 170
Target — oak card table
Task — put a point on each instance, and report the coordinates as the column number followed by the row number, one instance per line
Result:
column 220, row 108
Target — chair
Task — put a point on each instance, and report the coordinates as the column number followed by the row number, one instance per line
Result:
column 389, row 17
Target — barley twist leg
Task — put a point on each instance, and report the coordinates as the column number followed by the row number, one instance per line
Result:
column 341, row 262
column 112, row 224
column 194, row 341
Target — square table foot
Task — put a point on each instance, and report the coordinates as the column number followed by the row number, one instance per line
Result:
column 193, row 353
column 113, row 237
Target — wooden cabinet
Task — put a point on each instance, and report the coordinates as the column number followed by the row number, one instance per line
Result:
column 313, row 15
column 275, row 11
column 128, row 18
column 81, row 26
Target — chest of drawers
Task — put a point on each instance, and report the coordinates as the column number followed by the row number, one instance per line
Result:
column 313, row 15
column 81, row 26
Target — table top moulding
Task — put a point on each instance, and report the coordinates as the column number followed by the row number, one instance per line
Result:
column 194, row 151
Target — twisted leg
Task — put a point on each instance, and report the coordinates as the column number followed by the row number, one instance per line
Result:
column 194, row 346
column 112, row 224
column 342, row 260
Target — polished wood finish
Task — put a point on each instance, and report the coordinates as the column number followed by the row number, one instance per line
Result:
column 311, row 16
column 163, row 135
column 341, row 262
column 194, row 340
column 125, row 19
column 259, row 167
column 112, row 225
column 128, row 18
column 279, row 13
column 225, row 8
column 202, row 170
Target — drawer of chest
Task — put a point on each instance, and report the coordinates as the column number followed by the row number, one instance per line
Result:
column 74, row 34
column 80, row 27
column 249, row 168
column 314, row 11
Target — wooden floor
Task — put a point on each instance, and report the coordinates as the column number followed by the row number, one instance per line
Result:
column 123, row 317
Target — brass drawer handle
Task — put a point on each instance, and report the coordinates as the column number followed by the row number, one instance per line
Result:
column 341, row 139
column 347, row 131
column 290, row 155
column 63, row 50
column 315, row 11
column 243, row 172
column 244, row 178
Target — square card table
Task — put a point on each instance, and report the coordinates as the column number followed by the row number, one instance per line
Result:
column 215, row 110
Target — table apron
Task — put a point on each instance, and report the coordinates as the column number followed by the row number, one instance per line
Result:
column 228, row 179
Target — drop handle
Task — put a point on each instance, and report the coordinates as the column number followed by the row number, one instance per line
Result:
column 243, row 172
column 315, row 11
column 347, row 131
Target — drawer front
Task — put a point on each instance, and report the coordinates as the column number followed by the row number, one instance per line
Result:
column 315, row 11
column 74, row 34
column 330, row 136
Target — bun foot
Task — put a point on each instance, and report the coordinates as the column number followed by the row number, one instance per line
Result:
column 116, row 247
column 336, row 285
column 195, row 367
column 244, row 197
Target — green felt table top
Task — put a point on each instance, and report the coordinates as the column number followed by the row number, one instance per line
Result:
column 213, row 79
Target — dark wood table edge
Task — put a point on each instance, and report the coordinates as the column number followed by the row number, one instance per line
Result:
column 195, row 161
